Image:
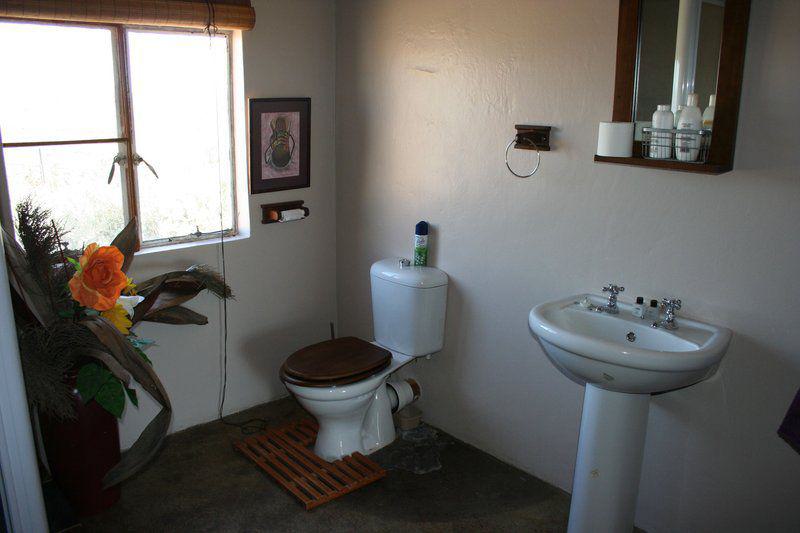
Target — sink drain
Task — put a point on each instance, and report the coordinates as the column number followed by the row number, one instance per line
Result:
column 631, row 336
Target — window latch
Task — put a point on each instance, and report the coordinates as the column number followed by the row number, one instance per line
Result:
column 121, row 159
column 139, row 159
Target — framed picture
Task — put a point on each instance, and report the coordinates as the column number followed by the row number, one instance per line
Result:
column 280, row 144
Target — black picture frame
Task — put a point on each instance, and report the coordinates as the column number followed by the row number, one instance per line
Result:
column 280, row 144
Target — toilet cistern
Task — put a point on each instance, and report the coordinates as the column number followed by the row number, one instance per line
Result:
column 621, row 360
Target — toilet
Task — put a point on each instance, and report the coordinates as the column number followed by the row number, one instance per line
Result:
column 346, row 383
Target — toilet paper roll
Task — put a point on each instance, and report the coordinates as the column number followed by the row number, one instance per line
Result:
column 292, row 214
column 615, row 139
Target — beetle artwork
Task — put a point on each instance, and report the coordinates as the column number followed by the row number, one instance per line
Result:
column 281, row 143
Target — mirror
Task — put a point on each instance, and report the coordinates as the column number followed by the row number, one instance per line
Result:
column 678, row 54
column 667, row 50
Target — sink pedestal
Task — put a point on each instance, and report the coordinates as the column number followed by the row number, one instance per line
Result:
column 609, row 462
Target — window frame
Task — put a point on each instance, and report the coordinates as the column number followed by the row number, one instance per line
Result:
column 126, row 132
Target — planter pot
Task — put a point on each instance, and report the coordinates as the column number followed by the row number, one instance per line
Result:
column 80, row 452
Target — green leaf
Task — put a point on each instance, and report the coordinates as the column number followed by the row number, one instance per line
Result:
column 143, row 355
column 66, row 313
column 132, row 396
column 91, row 378
column 75, row 263
column 111, row 396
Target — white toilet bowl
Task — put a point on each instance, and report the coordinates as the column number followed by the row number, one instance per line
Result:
column 344, row 382
column 356, row 417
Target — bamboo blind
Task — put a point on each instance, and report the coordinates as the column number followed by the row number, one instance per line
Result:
column 223, row 14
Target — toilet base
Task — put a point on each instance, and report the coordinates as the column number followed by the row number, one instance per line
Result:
column 356, row 417
column 364, row 426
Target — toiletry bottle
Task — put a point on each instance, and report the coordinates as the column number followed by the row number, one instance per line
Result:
column 651, row 312
column 677, row 115
column 661, row 141
column 708, row 114
column 687, row 144
column 638, row 307
column 421, row 244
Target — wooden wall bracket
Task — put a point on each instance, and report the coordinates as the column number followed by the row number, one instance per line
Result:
column 271, row 213
column 537, row 135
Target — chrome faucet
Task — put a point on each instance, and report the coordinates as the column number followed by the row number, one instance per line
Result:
column 670, row 306
column 611, row 307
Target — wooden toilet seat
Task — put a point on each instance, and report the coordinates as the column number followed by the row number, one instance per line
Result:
column 334, row 362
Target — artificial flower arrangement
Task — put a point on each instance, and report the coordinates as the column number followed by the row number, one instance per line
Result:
column 76, row 310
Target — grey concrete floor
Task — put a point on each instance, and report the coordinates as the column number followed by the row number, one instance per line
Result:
column 198, row 482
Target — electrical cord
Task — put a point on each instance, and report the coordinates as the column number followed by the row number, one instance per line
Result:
column 252, row 425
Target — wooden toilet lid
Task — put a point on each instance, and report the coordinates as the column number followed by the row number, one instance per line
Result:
column 342, row 360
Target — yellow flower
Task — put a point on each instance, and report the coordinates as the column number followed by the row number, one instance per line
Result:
column 118, row 316
column 130, row 288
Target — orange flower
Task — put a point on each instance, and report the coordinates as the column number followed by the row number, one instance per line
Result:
column 99, row 280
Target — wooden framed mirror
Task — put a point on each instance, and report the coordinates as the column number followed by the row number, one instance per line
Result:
column 666, row 50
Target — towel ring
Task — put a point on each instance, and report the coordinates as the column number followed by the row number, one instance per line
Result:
column 517, row 138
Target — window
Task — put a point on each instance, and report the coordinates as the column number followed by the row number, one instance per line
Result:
column 101, row 123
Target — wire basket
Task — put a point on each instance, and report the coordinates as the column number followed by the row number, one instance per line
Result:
column 686, row 146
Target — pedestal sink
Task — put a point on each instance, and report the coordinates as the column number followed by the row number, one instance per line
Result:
column 621, row 360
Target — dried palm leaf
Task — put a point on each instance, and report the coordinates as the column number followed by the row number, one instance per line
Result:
column 142, row 451
column 128, row 242
column 175, row 288
column 153, row 435
column 177, row 315
column 126, row 354
column 210, row 280
column 113, row 366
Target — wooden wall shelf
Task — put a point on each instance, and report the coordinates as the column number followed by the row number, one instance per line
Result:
column 665, row 164
column 271, row 213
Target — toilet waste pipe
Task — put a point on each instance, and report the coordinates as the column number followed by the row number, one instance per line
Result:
column 402, row 393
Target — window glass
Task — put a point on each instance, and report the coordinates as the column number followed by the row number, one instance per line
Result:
column 58, row 83
column 70, row 181
column 181, row 115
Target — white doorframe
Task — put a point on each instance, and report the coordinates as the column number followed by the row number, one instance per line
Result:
column 22, row 498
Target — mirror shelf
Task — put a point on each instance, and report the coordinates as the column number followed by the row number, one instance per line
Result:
column 665, row 164
column 729, row 51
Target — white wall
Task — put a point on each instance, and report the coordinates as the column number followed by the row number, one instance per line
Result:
column 427, row 96
column 283, row 276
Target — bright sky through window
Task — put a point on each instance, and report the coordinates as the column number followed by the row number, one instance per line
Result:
column 61, row 84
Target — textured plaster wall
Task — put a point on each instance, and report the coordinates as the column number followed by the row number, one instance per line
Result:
column 283, row 275
column 427, row 96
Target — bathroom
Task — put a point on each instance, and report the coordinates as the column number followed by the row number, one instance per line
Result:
column 412, row 106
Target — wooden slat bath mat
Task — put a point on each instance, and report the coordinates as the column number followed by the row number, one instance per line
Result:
column 283, row 454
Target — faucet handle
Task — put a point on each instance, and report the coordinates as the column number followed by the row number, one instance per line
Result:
column 613, row 288
column 671, row 304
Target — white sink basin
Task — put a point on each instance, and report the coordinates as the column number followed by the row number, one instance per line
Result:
column 621, row 360
column 594, row 347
